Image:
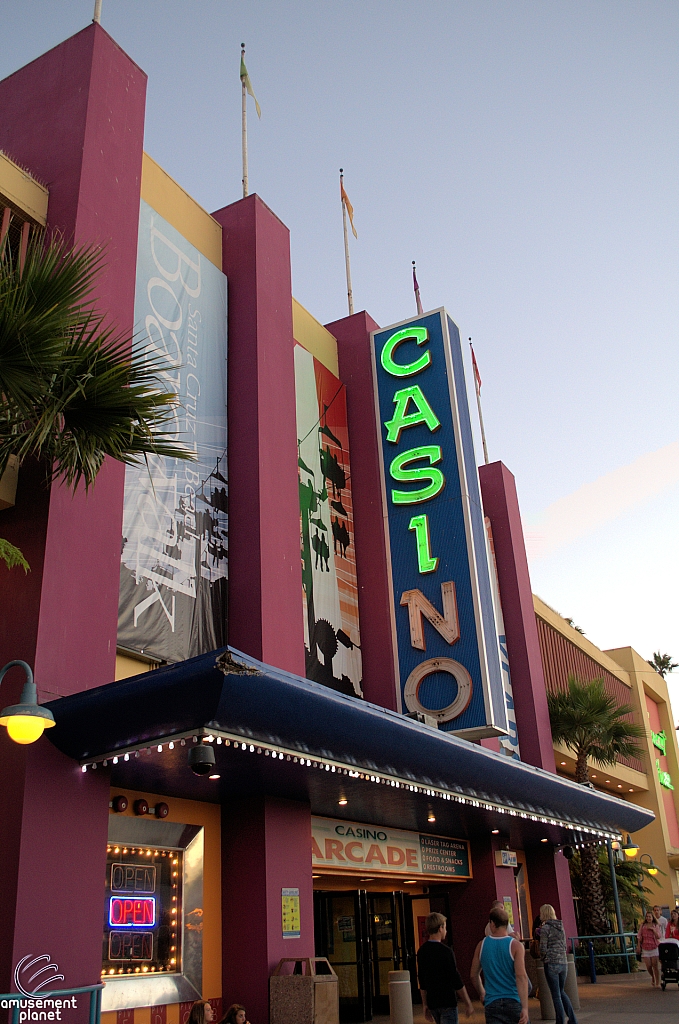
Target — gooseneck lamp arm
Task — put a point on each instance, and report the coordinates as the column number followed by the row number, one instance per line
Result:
column 26, row 720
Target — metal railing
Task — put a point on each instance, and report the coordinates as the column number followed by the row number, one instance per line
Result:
column 625, row 949
column 16, row 999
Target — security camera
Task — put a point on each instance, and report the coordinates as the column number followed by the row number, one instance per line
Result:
column 201, row 759
column 568, row 851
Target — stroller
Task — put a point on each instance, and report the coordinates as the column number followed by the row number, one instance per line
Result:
column 669, row 962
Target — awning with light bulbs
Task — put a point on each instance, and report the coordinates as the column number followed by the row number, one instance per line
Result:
column 279, row 734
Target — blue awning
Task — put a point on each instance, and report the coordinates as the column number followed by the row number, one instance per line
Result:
column 314, row 742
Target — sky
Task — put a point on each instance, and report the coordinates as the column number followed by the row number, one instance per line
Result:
column 526, row 155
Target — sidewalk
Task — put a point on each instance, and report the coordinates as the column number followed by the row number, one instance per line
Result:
column 615, row 999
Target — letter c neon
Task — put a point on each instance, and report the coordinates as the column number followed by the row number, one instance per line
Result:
column 417, row 334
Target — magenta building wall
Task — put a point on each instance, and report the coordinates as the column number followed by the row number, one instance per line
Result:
column 75, row 117
column 265, row 572
column 501, row 505
column 372, row 564
column 266, row 846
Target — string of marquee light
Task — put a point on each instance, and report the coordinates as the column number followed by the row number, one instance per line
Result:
column 584, row 834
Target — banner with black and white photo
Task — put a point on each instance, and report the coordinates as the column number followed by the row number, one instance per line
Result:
column 174, row 561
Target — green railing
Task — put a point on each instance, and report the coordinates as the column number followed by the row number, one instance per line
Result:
column 15, row 1000
column 625, row 949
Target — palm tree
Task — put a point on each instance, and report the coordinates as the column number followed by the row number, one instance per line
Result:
column 72, row 390
column 593, row 725
column 663, row 663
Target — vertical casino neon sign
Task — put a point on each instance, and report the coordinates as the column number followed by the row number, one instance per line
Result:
column 435, row 532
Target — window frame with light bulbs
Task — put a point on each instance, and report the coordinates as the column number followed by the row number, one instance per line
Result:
column 154, row 879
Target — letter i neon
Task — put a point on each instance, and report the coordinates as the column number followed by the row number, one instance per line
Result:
column 426, row 562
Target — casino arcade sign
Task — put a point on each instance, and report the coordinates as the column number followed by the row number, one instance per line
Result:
column 446, row 648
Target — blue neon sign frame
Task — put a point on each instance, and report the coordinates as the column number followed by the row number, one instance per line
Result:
column 131, row 899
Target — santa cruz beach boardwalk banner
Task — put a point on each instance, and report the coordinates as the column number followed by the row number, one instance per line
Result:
column 174, row 562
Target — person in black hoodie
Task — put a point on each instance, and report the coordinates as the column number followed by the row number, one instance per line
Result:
column 440, row 982
column 553, row 953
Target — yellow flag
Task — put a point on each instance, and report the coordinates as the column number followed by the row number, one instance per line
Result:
column 245, row 79
column 349, row 207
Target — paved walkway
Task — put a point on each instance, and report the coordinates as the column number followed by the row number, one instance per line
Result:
column 615, row 999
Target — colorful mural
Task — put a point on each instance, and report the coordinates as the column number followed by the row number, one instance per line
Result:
column 329, row 586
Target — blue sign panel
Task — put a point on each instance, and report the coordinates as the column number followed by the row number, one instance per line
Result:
column 446, row 633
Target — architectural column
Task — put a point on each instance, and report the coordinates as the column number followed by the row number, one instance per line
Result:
column 380, row 678
column 501, row 505
column 75, row 119
column 265, row 571
column 266, row 847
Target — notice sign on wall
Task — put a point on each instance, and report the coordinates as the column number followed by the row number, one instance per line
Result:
column 350, row 846
column 290, row 913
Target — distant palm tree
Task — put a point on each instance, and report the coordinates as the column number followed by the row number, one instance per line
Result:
column 593, row 725
column 663, row 663
column 72, row 389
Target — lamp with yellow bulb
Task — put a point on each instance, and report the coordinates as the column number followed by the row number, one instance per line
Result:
column 650, row 867
column 629, row 848
column 27, row 720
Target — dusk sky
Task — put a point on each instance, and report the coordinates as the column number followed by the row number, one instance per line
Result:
column 526, row 155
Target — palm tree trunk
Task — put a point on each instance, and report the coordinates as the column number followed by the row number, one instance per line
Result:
column 581, row 773
column 594, row 917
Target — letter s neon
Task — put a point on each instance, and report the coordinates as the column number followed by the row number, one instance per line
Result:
column 418, row 334
column 437, row 480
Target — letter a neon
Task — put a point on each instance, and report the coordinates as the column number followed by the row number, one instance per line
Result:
column 402, row 418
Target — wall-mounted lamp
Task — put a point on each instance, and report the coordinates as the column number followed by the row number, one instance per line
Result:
column 25, row 721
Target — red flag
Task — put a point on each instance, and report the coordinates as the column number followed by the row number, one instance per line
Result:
column 477, row 375
column 416, row 287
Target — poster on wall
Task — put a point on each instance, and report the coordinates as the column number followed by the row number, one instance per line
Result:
column 329, row 584
column 174, row 561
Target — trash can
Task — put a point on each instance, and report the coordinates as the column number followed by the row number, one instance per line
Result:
column 306, row 994
column 400, row 997
column 571, row 985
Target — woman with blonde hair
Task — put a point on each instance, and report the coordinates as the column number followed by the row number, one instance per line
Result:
column 553, row 954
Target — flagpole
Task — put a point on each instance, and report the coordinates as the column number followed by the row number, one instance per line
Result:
column 478, row 405
column 97, row 12
column 244, row 128
column 350, row 294
column 416, row 286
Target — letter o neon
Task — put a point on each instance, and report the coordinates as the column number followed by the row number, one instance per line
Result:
column 426, row 668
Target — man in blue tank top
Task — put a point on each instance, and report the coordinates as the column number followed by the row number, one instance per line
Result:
column 501, row 958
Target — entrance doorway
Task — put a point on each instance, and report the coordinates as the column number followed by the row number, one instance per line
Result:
column 365, row 935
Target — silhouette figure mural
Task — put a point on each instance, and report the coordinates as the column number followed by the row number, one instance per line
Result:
column 329, row 585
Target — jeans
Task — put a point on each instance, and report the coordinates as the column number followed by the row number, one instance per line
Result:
column 446, row 1015
column 503, row 1011
column 555, row 976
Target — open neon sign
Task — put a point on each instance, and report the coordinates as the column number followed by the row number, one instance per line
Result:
column 132, row 913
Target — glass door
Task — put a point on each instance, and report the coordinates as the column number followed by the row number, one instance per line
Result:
column 341, row 928
column 387, row 940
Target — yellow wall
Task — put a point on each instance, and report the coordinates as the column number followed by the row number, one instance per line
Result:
column 314, row 337
column 127, row 666
column 170, row 200
column 655, row 838
column 20, row 191
column 641, row 788
column 193, row 812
